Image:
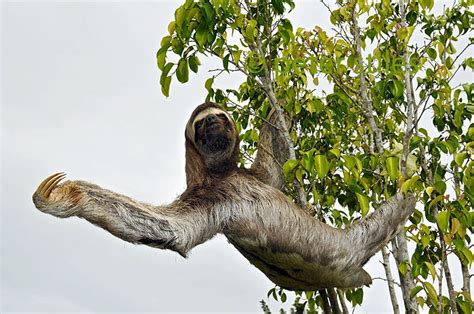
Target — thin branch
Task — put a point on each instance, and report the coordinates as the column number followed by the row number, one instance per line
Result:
column 440, row 289
column 324, row 298
column 390, row 281
column 386, row 280
column 367, row 110
column 340, row 294
column 400, row 244
column 461, row 53
column 253, row 113
column 266, row 83
column 400, row 251
column 333, row 300
column 466, row 279
column 411, row 104
column 447, row 272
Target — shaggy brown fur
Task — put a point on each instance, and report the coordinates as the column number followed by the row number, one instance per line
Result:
column 290, row 247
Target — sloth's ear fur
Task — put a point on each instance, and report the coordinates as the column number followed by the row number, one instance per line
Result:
column 198, row 172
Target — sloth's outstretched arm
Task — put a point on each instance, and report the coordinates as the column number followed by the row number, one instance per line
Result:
column 178, row 226
column 374, row 231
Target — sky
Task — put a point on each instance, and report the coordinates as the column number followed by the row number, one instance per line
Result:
column 80, row 94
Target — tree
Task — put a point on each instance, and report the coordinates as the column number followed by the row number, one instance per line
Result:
column 394, row 116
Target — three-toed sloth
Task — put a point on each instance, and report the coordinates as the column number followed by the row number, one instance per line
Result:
column 292, row 248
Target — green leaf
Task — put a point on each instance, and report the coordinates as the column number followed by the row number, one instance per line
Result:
column 165, row 86
column 278, row 6
column 299, row 175
column 201, row 36
column 396, row 88
column 431, row 292
column 392, row 167
column 315, row 105
column 225, row 62
column 250, row 30
column 358, row 296
column 208, row 12
column 322, row 165
column 432, row 269
column 440, row 186
column 425, row 240
column 408, row 184
column 349, row 162
column 436, row 200
column 308, row 161
column 336, row 152
column 182, row 72
column 254, row 135
column 431, row 53
column 165, row 41
column 429, row 190
column 166, row 70
column 411, row 164
column 171, row 27
column 161, row 57
column 363, row 203
column 459, row 158
column 209, row 82
column 464, row 305
column 179, row 16
column 458, row 122
column 443, row 219
column 270, row 292
column 194, row 63
column 427, row 4
column 289, row 166
column 415, row 291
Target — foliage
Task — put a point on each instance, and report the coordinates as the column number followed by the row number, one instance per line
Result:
column 373, row 111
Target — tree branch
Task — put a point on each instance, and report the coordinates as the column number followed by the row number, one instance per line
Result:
column 466, row 279
column 333, row 300
column 326, row 305
column 390, row 281
column 411, row 104
column 400, row 245
column 343, row 301
column 266, row 83
column 367, row 110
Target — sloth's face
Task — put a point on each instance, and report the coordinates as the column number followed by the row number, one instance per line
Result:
column 213, row 132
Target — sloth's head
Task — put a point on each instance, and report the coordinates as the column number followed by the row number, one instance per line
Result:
column 212, row 142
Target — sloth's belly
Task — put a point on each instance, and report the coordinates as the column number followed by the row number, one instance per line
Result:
column 292, row 272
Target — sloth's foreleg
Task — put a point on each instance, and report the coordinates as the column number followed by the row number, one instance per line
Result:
column 374, row 231
column 178, row 226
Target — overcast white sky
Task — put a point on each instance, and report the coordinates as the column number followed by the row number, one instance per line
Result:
column 80, row 94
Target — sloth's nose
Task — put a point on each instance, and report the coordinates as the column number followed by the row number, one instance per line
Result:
column 211, row 118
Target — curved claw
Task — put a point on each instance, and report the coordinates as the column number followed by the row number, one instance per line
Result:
column 48, row 184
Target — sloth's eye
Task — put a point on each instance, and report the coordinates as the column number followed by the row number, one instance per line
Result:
column 198, row 124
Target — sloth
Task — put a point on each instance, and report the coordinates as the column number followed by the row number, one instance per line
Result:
column 292, row 248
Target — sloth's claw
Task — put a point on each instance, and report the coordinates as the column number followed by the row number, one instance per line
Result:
column 45, row 188
column 42, row 184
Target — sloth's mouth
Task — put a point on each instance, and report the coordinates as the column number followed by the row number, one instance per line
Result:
column 214, row 143
column 210, row 126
